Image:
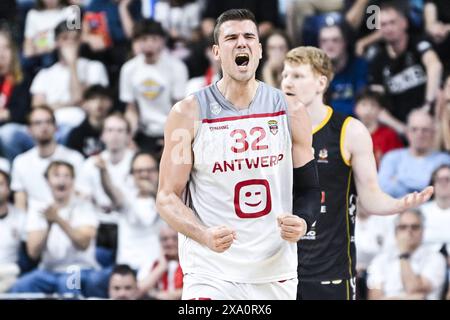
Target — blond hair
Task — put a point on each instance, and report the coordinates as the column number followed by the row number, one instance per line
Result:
column 318, row 60
column 15, row 68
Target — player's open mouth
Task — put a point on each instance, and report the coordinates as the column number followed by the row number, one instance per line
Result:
column 242, row 59
column 289, row 94
column 253, row 204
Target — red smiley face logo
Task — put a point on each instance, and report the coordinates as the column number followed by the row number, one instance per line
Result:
column 252, row 198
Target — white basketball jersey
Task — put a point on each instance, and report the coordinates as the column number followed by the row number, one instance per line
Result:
column 242, row 178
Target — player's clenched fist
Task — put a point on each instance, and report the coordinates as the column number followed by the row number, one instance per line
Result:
column 292, row 228
column 220, row 238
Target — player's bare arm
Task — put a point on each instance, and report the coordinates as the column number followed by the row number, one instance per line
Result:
column 307, row 196
column 358, row 149
column 175, row 169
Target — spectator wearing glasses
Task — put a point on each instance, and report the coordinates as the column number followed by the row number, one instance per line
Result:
column 138, row 221
column 410, row 270
column 409, row 169
column 27, row 179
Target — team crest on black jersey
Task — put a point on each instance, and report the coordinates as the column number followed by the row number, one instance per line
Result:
column 323, row 156
column 273, row 126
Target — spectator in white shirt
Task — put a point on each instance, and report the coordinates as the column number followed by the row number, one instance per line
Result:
column 138, row 244
column 117, row 158
column 12, row 229
column 28, row 181
column 40, row 24
column 437, row 211
column 62, row 85
column 410, row 271
column 61, row 233
column 150, row 83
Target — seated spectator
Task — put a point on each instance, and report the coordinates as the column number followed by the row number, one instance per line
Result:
column 107, row 28
column 62, row 85
column 12, row 232
column 123, row 283
column 409, row 169
column 27, row 177
column 350, row 73
column 360, row 15
column 276, row 46
column 437, row 211
column 437, row 26
column 108, row 23
column 14, row 96
column 165, row 280
column 405, row 67
column 40, row 24
column 410, row 271
column 138, row 243
column 116, row 136
column 368, row 107
column 443, row 118
column 61, row 233
column 149, row 84
column 97, row 103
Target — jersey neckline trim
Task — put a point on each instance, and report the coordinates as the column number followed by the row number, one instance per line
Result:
column 324, row 121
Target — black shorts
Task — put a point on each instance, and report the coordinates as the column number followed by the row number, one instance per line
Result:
column 327, row 290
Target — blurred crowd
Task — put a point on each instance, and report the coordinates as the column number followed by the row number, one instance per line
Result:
column 85, row 90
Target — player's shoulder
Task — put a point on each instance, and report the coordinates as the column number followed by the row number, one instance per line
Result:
column 188, row 108
column 355, row 127
column 357, row 136
column 276, row 93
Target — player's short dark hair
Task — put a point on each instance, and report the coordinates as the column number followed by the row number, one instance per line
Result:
column 232, row 15
column 97, row 91
column 368, row 94
column 148, row 27
column 59, row 163
column 42, row 108
column 123, row 270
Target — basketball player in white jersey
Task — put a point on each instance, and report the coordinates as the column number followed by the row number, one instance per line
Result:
column 229, row 153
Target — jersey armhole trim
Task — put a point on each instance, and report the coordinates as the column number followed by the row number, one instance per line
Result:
column 324, row 121
column 342, row 141
column 197, row 124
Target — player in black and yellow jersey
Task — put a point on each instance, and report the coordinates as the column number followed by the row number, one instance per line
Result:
column 346, row 164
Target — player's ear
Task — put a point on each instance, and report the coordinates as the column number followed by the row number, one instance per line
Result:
column 260, row 51
column 215, row 51
column 323, row 82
